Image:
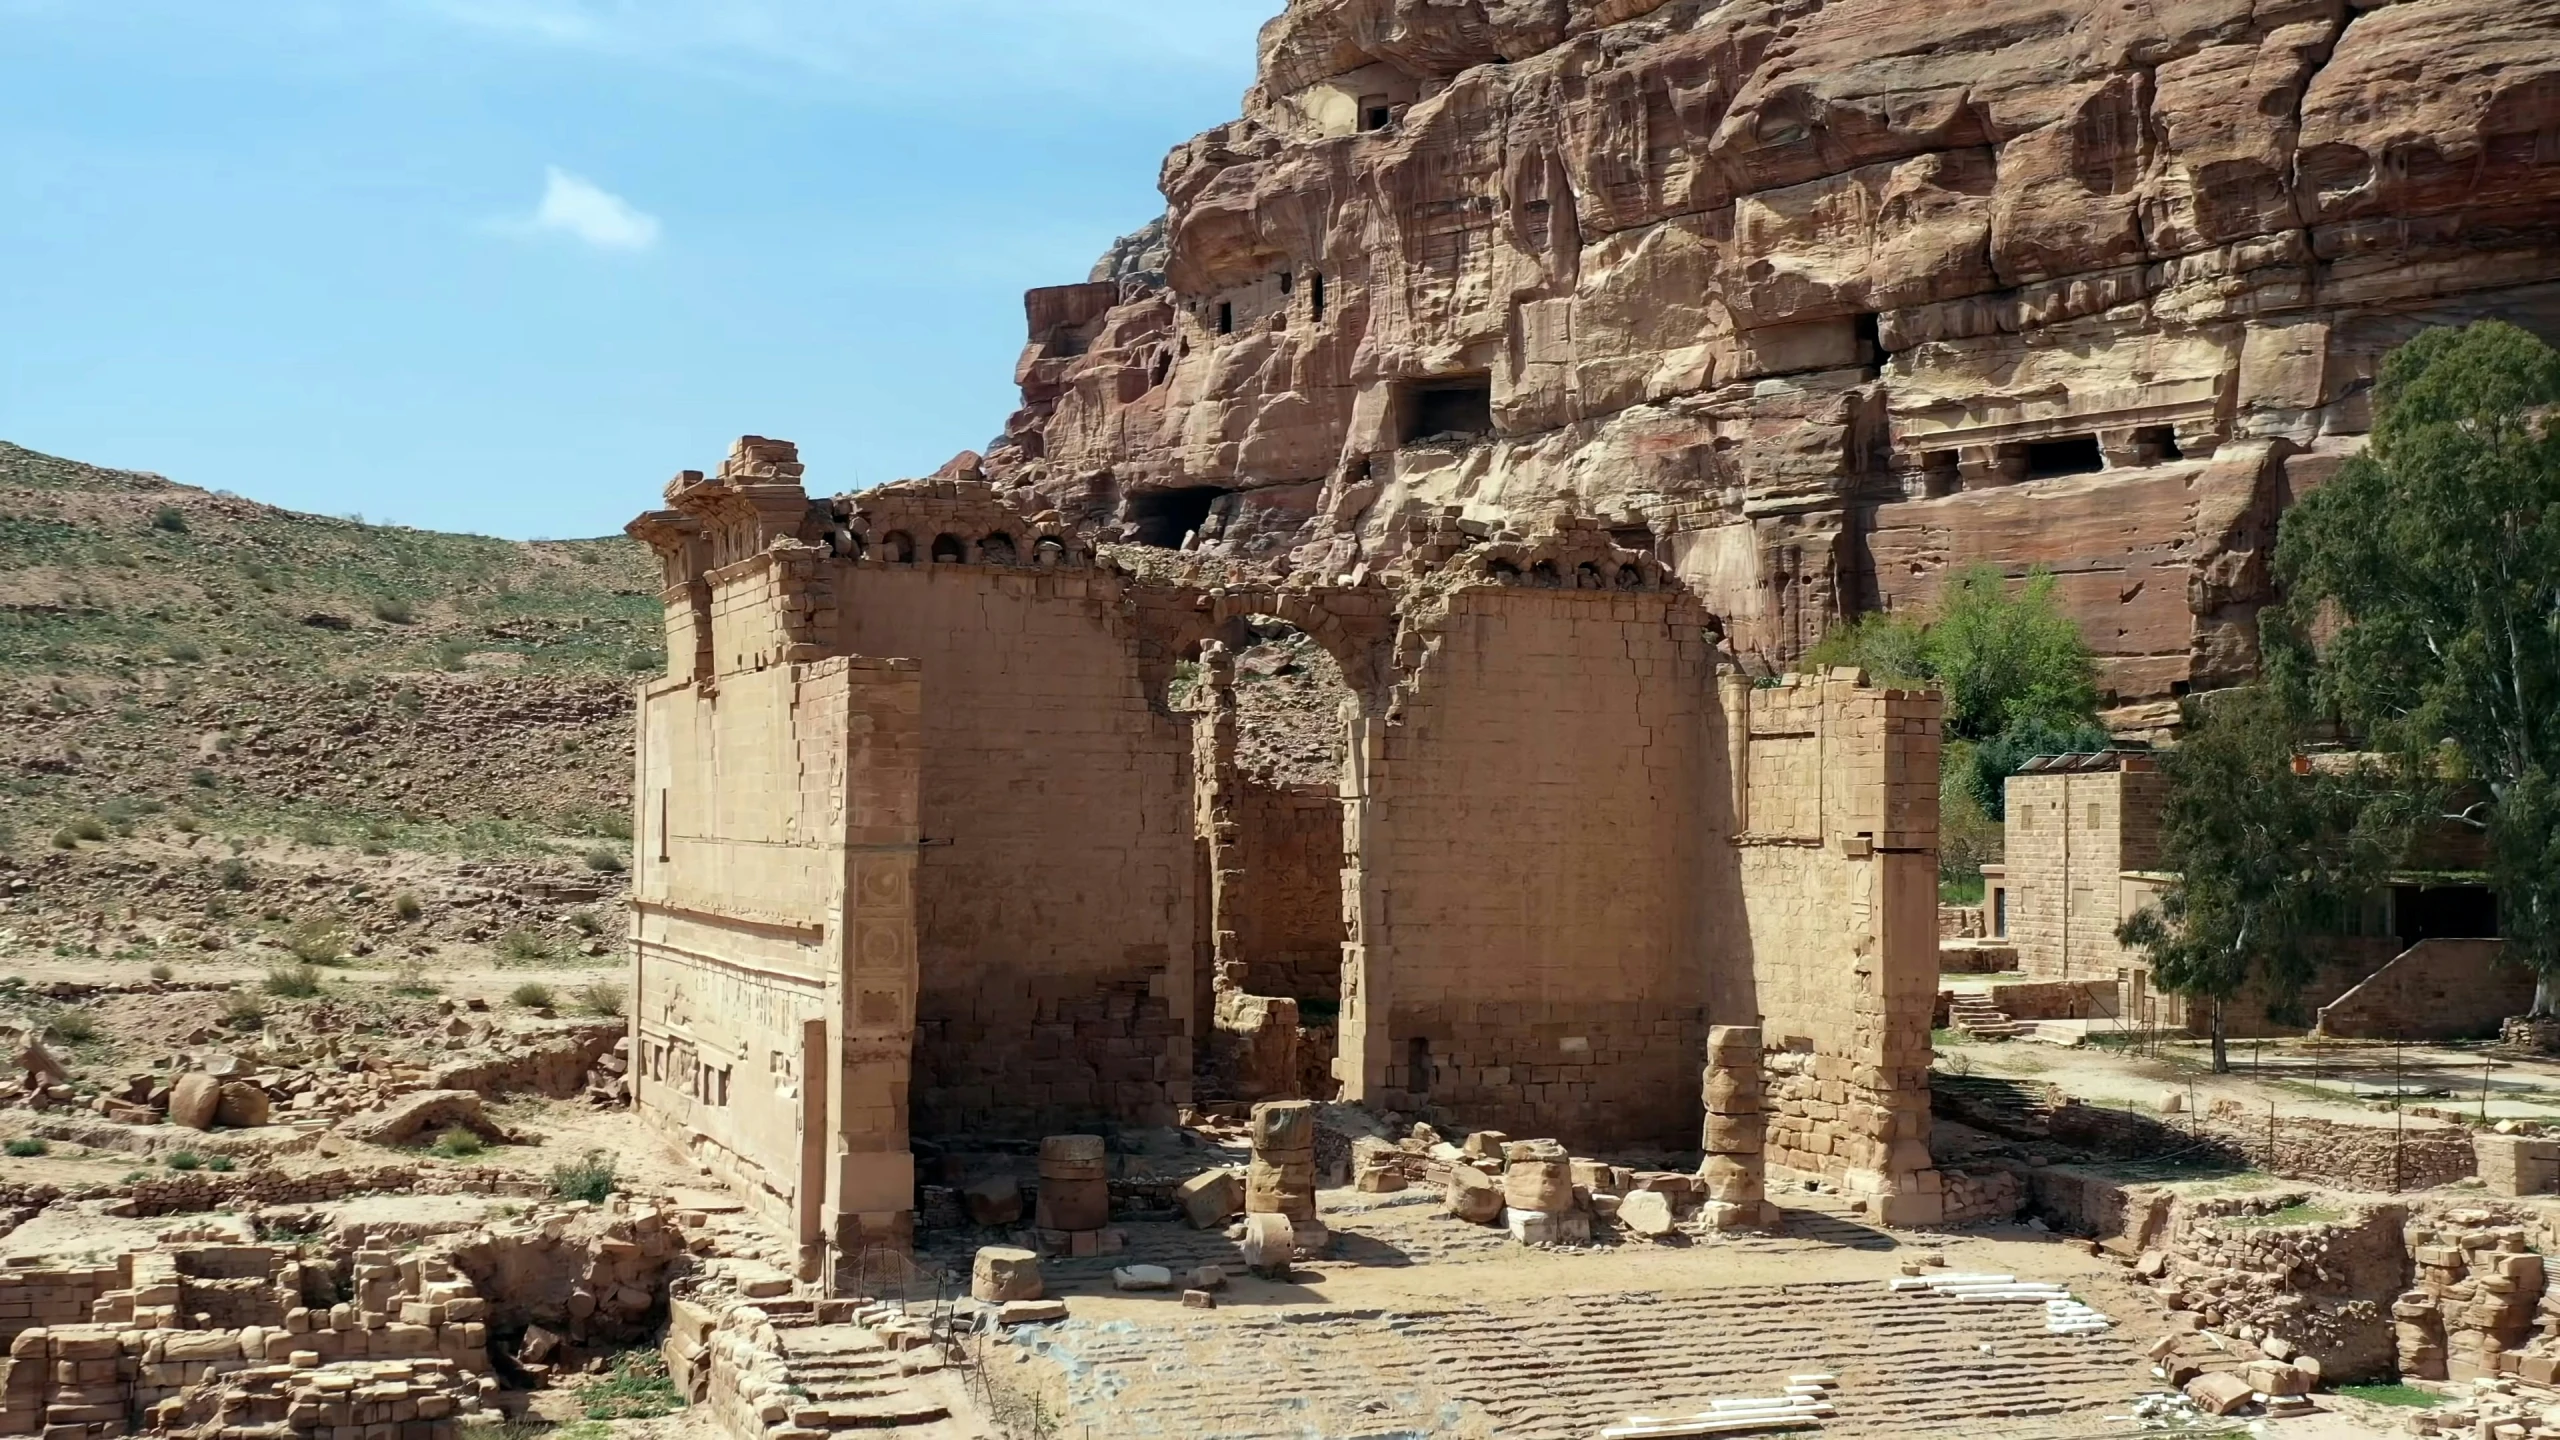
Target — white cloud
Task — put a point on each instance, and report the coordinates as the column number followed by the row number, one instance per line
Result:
column 593, row 214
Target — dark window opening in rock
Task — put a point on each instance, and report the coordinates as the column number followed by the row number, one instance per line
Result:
column 1586, row 576
column 2073, row 455
column 1455, row 409
column 898, row 548
column 2000, row 913
column 2178, row 689
column 1376, row 113
column 1315, row 294
column 996, row 550
column 2444, row 912
column 1288, row 282
column 947, row 550
column 1226, row 318
column 2157, row 443
column 1163, row 370
column 1633, row 537
column 1870, row 333
column 1938, row 474
column 1503, row 572
column 1630, row 578
column 1417, row 1064
column 1165, row 517
column 1544, row 576
column 1066, row 343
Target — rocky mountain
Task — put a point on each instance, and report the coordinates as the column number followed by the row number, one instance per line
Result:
column 1817, row 298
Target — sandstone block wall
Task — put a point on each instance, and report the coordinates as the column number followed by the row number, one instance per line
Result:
column 1535, row 835
column 2434, row 990
column 1289, row 911
column 2069, row 837
column 1835, row 831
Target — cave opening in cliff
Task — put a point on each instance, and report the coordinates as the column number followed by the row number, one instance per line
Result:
column 1457, row 409
column 1226, row 317
column 1315, row 294
column 2157, row 443
column 1165, row 518
column 1940, row 473
column 2069, row 455
column 1376, row 113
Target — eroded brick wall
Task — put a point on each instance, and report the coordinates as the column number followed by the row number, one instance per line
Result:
column 1289, row 911
column 1532, row 859
column 1055, row 892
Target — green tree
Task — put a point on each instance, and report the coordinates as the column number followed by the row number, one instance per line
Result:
column 2267, row 854
column 2429, row 570
column 2019, row 682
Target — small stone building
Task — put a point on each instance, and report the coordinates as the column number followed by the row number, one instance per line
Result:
column 924, row 850
column 2076, row 824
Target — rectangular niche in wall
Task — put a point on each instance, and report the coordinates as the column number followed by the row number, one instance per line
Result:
column 1460, row 408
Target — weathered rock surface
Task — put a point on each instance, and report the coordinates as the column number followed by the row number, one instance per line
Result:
column 242, row 1106
column 1816, row 298
column 426, row 1113
column 195, row 1100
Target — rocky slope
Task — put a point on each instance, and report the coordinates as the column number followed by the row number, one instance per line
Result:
column 1819, row 298
column 222, row 724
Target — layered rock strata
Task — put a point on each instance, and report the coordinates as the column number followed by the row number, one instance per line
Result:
column 1813, row 300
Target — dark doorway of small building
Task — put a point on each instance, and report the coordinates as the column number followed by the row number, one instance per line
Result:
column 1457, row 409
column 2444, row 912
column 2072, row 455
column 1164, row 517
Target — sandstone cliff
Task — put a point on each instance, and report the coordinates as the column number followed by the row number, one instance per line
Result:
column 1818, row 298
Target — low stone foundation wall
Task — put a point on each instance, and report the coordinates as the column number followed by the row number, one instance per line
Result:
column 201, row 1190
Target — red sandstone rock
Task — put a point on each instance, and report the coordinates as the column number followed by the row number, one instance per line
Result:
column 195, row 1100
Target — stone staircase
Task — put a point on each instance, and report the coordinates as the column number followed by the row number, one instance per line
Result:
column 852, row 1380
column 1972, row 1015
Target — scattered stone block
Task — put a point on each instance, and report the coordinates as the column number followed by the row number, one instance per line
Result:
column 1199, row 1300
column 242, row 1106
column 1210, row 1198
column 1002, row 1274
column 195, row 1100
column 1646, row 1212
column 1472, row 1196
column 1031, row 1312
column 2221, row 1393
column 1141, row 1277
column 1270, row 1243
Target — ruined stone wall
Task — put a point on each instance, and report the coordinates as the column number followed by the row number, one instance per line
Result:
column 1835, row 831
column 1055, row 897
column 1822, row 300
column 1289, row 899
column 2435, row 990
column 1536, row 831
column 2069, row 838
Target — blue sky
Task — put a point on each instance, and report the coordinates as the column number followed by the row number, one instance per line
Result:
column 506, row 265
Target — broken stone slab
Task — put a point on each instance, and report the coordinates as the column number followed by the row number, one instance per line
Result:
column 1141, row 1277
column 1487, row 1144
column 1002, row 1274
column 1031, row 1312
column 1285, row 1126
column 1199, row 1300
column 2221, row 1393
column 1538, row 1184
column 424, row 1114
column 1550, row 1227
column 1210, row 1197
column 1473, row 1196
column 1646, row 1212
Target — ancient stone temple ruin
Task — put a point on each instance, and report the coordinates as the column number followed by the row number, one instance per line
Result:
column 924, row 847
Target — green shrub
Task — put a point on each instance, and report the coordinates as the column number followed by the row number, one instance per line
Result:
column 293, row 982
column 169, row 518
column 78, row 1027
column 637, row 1388
column 203, row 779
column 185, row 1160
column 162, row 972
column 451, row 654
column 27, row 1147
column 185, row 824
column 600, row 997
column 586, row 922
column 525, row 946
column 459, row 1144
column 89, row 827
column 532, row 995
column 317, row 942
column 186, row 652
column 65, row 840
column 411, row 979
column 590, row 1177
column 232, row 874
column 406, row 905
column 220, row 1163
column 392, row 610
column 606, row 862
column 241, row 1011
column 641, row 662
column 409, row 701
